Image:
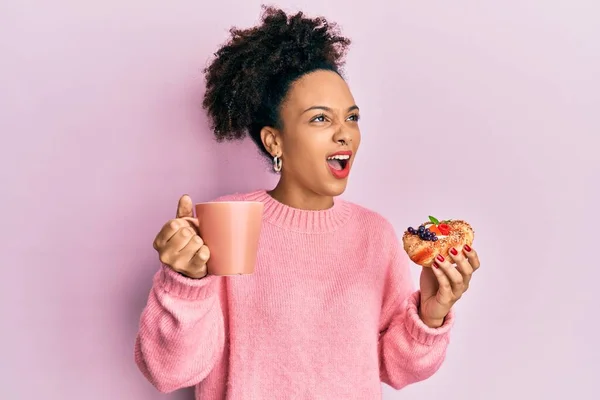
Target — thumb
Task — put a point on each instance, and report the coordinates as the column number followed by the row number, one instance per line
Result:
column 185, row 207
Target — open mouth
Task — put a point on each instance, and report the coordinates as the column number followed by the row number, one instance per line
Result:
column 338, row 162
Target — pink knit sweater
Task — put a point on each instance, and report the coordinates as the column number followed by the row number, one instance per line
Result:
column 329, row 313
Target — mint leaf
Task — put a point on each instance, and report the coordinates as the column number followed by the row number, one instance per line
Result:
column 434, row 220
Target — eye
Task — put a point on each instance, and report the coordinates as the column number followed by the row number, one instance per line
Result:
column 354, row 117
column 319, row 118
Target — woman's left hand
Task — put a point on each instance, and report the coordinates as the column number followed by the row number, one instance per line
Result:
column 444, row 283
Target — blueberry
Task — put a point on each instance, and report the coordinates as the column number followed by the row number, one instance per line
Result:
column 421, row 228
column 411, row 230
column 434, row 239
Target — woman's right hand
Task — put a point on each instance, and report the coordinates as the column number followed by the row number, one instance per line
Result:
column 179, row 244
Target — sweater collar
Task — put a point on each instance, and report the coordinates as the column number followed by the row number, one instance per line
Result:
column 304, row 221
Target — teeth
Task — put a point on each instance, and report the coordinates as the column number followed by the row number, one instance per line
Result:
column 338, row 158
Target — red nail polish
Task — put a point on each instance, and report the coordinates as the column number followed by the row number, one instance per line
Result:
column 467, row 248
column 453, row 251
column 435, row 265
column 440, row 258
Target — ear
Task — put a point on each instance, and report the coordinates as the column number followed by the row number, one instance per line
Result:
column 271, row 141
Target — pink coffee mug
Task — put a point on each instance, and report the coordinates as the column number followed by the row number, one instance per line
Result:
column 230, row 230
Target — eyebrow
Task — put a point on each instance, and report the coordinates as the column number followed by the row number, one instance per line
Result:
column 325, row 108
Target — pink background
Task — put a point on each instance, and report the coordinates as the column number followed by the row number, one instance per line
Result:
column 480, row 111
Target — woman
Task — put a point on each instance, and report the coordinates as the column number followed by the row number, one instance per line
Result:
column 330, row 312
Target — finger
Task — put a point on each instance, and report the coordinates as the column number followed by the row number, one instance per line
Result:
column 167, row 231
column 171, row 228
column 203, row 255
column 197, row 272
column 472, row 256
column 185, row 207
column 196, row 266
column 169, row 253
column 444, row 295
column 191, row 248
column 182, row 260
column 193, row 222
column 179, row 240
column 462, row 265
column 198, row 262
column 455, row 278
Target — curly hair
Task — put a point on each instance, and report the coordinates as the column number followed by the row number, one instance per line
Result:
column 249, row 78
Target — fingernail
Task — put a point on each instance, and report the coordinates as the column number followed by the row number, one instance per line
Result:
column 453, row 251
column 467, row 247
column 435, row 265
column 440, row 258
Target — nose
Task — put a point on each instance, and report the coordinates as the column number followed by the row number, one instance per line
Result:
column 342, row 136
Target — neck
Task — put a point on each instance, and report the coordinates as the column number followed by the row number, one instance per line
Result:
column 301, row 198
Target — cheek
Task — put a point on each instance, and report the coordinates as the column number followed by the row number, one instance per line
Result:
column 356, row 138
column 312, row 154
column 310, row 148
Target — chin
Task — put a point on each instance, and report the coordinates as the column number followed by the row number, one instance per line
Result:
column 334, row 189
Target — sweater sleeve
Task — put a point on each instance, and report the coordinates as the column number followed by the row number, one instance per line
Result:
column 181, row 333
column 409, row 350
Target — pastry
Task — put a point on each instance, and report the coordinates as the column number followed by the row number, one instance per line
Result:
column 435, row 237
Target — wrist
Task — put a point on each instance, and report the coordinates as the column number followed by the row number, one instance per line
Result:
column 190, row 276
column 431, row 322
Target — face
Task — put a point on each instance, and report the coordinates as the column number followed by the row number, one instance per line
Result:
column 320, row 135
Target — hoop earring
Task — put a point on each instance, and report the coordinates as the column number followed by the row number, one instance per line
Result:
column 277, row 164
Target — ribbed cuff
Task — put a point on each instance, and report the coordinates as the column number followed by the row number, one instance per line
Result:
column 417, row 328
column 186, row 288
